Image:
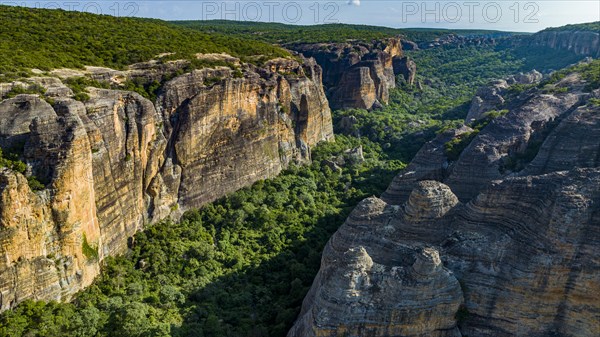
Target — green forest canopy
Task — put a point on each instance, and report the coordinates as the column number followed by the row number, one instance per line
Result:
column 242, row 265
column 282, row 33
column 589, row 26
column 49, row 39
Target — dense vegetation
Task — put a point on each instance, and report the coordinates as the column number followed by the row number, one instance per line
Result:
column 449, row 78
column 541, row 58
column 456, row 146
column 590, row 72
column 237, row 267
column 242, row 265
column 544, row 59
column 103, row 40
column 591, row 26
column 282, row 33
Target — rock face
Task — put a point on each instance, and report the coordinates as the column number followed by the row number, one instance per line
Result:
column 581, row 42
column 430, row 163
column 508, row 138
column 409, row 45
column 242, row 130
column 359, row 75
column 429, row 200
column 369, row 282
column 490, row 97
column 118, row 162
column 529, row 117
column 407, row 67
column 518, row 256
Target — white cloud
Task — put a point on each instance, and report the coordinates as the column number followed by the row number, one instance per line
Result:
column 354, row 2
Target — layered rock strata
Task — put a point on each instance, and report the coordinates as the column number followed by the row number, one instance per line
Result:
column 491, row 97
column 118, row 161
column 518, row 255
column 580, row 42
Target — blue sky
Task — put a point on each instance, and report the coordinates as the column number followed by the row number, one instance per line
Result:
column 527, row 16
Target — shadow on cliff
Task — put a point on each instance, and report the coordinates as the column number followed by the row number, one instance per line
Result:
column 261, row 300
column 458, row 112
column 265, row 299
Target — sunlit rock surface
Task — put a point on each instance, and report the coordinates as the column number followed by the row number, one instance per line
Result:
column 119, row 161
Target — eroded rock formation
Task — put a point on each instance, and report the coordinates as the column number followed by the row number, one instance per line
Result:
column 407, row 67
column 463, row 40
column 491, row 97
column 580, row 42
column 519, row 255
column 118, row 162
column 359, row 74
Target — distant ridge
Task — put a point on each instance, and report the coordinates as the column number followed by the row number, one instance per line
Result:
column 325, row 33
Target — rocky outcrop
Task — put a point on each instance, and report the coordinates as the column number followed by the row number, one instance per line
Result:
column 580, row 42
column 17, row 113
column 348, row 125
column 490, row 97
column 118, row 162
column 572, row 144
column 409, row 45
column 406, row 67
column 430, row 163
column 500, row 148
column 42, row 233
column 519, row 256
column 241, row 130
column 357, row 89
column 429, row 200
column 359, row 74
column 369, row 283
column 513, row 135
column 462, row 40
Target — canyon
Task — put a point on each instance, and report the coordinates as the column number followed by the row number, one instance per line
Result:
column 118, row 162
column 491, row 229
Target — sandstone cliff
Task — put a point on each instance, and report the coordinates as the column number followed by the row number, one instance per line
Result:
column 488, row 98
column 580, row 42
column 118, row 161
column 359, row 74
column 503, row 241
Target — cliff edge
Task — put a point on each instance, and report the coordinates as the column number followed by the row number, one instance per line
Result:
column 117, row 161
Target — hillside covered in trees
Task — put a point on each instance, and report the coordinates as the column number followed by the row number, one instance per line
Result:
column 241, row 266
column 281, row 33
column 38, row 41
column 589, row 26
